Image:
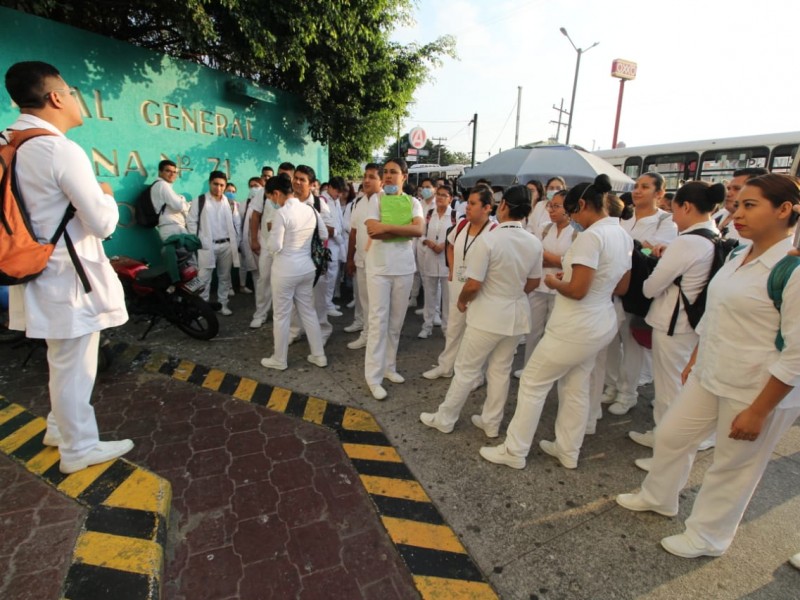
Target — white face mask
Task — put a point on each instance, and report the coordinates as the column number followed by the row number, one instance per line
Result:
column 498, row 196
column 551, row 194
column 426, row 192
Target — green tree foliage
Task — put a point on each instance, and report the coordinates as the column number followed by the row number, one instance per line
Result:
column 335, row 55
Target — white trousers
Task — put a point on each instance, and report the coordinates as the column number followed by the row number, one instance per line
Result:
column 223, row 260
column 478, row 346
column 263, row 285
column 288, row 291
column 332, row 278
column 731, row 479
column 319, row 294
column 73, row 368
column 596, row 380
column 569, row 364
column 456, row 325
column 629, row 364
column 437, row 301
column 388, row 303
column 541, row 308
column 671, row 354
column 362, row 300
column 165, row 231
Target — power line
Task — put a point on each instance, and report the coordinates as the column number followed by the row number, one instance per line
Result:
column 504, row 125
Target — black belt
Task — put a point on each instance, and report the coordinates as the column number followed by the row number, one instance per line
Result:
column 222, row 241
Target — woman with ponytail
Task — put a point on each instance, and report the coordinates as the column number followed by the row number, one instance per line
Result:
column 583, row 323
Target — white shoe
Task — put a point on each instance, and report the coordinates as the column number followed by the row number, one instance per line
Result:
column 256, row 323
column 491, row 432
column 708, row 444
column 378, row 392
column 499, row 455
column 412, row 303
column 231, row 293
column 419, row 311
column 635, row 503
column 518, row 373
column 321, row 360
column 354, row 327
column 424, row 334
column 271, row 363
column 437, row 372
column 646, row 439
column 334, row 313
column 478, row 383
column 359, row 342
column 294, row 338
column 551, row 449
column 591, row 428
column 52, row 439
column 437, row 322
column 394, row 377
column 351, row 304
column 681, row 545
column 103, row 452
column 609, row 395
column 224, row 310
column 429, row 419
column 795, row 560
column 620, row 408
column 645, row 464
column 245, row 290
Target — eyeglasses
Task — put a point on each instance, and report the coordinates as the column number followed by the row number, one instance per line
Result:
column 551, row 206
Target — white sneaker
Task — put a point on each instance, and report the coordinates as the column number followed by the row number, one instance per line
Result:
column 437, row 372
column 518, row 373
column 354, row 327
column 708, row 444
column 103, row 452
column 795, row 560
column 52, row 439
column 491, row 432
column 499, row 455
column 332, row 312
column 609, row 395
column 620, row 408
column 646, row 439
column 635, row 503
column 321, row 361
column 231, row 293
column 224, row 310
column 412, row 303
column 478, row 383
column 378, row 392
column 419, row 311
column 351, row 304
column 429, row 419
column 245, row 290
column 394, row 377
column 256, row 323
column 359, row 342
column 551, row 449
column 437, row 322
column 271, row 363
column 681, row 545
column 645, row 464
column 424, row 334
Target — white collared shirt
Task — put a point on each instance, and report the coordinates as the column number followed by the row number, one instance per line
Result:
column 556, row 242
column 390, row 257
column 655, row 229
column 290, row 239
column 737, row 354
column 175, row 206
column 430, row 263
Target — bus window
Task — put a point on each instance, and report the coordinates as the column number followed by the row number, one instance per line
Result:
column 674, row 167
column 782, row 158
column 633, row 167
column 717, row 165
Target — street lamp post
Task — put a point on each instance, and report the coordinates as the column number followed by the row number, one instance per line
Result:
column 580, row 51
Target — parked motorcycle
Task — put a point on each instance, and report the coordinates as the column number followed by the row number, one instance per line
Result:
column 151, row 292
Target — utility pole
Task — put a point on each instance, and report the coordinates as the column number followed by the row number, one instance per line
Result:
column 519, row 102
column 439, row 156
column 561, row 113
column 474, row 124
column 579, row 52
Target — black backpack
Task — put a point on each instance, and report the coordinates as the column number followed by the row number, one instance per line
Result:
column 642, row 265
column 146, row 215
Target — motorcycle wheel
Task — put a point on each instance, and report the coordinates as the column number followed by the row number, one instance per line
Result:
column 196, row 318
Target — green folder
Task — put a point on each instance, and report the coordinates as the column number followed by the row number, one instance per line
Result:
column 397, row 210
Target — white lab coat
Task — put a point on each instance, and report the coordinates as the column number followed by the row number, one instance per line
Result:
column 205, row 256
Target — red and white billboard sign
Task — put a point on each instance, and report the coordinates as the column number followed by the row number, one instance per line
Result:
column 417, row 137
column 623, row 69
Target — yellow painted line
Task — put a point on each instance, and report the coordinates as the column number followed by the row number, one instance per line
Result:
column 359, row 420
column 183, row 370
column 142, row 490
column 214, row 379
column 43, row 461
column 279, row 399
column 438, row 588
column 116, row 552
column 315, row 410
column 369, row 452
column 423, row 535
column 155, row 362
column 246, row 389
column 23, row 434
column 9, row 412
column 394, row 488
column 76, row 483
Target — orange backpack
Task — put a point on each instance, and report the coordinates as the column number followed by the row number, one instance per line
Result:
column 22, row 256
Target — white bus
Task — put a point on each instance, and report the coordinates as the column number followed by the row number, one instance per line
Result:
column 709, row 160
column 416, row 173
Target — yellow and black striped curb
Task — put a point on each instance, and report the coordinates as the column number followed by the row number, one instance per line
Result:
column 119, row 552
column 439, row 563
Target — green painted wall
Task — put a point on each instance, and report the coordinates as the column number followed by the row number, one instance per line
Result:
column 140, row 107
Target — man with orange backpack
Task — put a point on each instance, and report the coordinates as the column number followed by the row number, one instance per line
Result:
column 77, row 294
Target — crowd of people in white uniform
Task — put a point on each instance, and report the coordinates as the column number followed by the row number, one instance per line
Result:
column 546, row 266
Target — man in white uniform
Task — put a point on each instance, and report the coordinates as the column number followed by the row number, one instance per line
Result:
column 724, row 216
column 53, row 173
column 170, row 207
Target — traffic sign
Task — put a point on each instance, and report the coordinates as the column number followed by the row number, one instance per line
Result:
column 411, row 158
column 417, row 137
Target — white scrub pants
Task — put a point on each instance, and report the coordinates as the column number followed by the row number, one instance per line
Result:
column 478, row 346
column 332, row 277
column 388, row 303
column 541, row 304
column 671, row 354
column 629, row 365
column 437, row 301
column 165, row 231
column 362, row 300
column 288, row 291
column 263, row 287
column 321, row 308
column 73, row 368
column 223, row 259
column 732, row 477
column 456, row 325
column 569, row 364
column 596, row 381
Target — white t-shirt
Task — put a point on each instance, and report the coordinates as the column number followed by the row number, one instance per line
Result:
column 538, row 218
column 389, row 257
column 556, row 242
column 358, row 217
column 606, row 248
column 430, row 263
column 655, row 229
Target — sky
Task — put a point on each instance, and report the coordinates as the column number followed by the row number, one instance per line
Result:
column 707, row 69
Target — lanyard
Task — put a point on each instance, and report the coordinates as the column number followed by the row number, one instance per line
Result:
column 466, row 238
